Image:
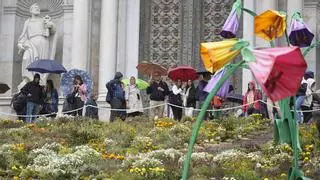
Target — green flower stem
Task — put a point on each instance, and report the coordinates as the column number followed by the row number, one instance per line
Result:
column 199, row 120
column 249, row 12
column 311, row 47
column 294, row 136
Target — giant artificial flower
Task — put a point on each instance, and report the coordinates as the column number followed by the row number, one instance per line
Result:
column 300, row 34
column 230, row 27
column 215, row 55
column 279, row 71
column 224, row 90
column 270, row 25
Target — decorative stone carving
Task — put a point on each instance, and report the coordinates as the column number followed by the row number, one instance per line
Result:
column 165, row 31
column 53, row 8
column 215, row 12
column 37, row 40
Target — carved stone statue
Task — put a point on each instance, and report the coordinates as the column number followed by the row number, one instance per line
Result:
column 37, row 41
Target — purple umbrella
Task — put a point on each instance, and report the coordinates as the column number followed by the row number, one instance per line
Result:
column 224, row 90
column 230, row 27
column 300, row 34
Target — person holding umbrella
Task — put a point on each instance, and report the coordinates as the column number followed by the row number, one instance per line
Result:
column 79, row 94
column 35, row 96
column 157, row 90
column 133, row 98
column 175, row 98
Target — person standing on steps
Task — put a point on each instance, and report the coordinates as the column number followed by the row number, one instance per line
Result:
column 189, row 100
column 35, row 97
column 158, row 90
column 175, row 98
column 133, row 98
column 116, row 97
column 251, row 105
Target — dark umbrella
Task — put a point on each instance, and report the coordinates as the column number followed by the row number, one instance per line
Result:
column 202, row 70
column 46, row 66
column 184, row 73
column 236, row 98
column 4, row 88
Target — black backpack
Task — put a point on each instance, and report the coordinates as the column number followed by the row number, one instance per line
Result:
column 19, row 102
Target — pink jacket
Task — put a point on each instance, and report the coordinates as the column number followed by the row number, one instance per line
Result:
column 83, row 93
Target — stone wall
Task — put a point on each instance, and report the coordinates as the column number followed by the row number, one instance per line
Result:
column 171, row 30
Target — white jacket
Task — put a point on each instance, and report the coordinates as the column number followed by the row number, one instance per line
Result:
column 310, row 90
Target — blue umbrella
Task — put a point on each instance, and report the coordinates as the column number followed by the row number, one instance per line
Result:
column 66, row 83
column 46, row 66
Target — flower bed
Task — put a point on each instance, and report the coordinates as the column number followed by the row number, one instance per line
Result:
column 68, row 148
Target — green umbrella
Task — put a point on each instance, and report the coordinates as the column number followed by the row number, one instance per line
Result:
column 140, row 83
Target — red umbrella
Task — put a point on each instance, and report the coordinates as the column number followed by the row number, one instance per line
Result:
column 184, row 73
column 279, row 71
column 151, row 68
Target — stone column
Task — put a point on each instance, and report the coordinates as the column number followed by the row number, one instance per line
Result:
column 128, row 37
column 8, row 46
column 248, row 34
column 294, row 5
column 8, row 54
column 108, row 43
column 67, row 36
column 132, row 34
column 311, row 18
column 122, row 36
column 80, row 34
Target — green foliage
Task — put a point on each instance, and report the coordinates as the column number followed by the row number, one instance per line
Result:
column 81, row 148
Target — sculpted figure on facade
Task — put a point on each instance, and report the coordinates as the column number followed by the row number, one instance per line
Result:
column 37, row 41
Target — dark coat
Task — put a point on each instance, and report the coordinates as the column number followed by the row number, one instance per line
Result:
column 201, row 93
column 191, row 99
column 92, row 112
column 155, row 94
column 302, row 90
column 33, row 88
column 112, row 85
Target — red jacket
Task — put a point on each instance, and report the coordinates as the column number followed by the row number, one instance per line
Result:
column 256, row 95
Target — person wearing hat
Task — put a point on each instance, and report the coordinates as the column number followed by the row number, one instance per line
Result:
column 35, row 96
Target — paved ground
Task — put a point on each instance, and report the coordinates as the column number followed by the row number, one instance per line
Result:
column 252, row 141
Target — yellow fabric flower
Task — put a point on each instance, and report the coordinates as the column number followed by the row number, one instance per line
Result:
column 215, row 55
column 270, row 25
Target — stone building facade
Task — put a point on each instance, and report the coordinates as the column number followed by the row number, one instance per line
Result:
column 105, row 36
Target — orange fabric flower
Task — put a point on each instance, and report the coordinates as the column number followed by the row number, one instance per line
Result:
column 270, row 25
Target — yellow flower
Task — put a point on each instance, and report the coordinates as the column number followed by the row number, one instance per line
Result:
column 270, row 25
column 283, row 174
column 131, row 170
column 215, row 55
column 265, row 179
column 306, row 159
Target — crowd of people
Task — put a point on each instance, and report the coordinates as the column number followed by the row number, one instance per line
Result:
column 126, row 100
